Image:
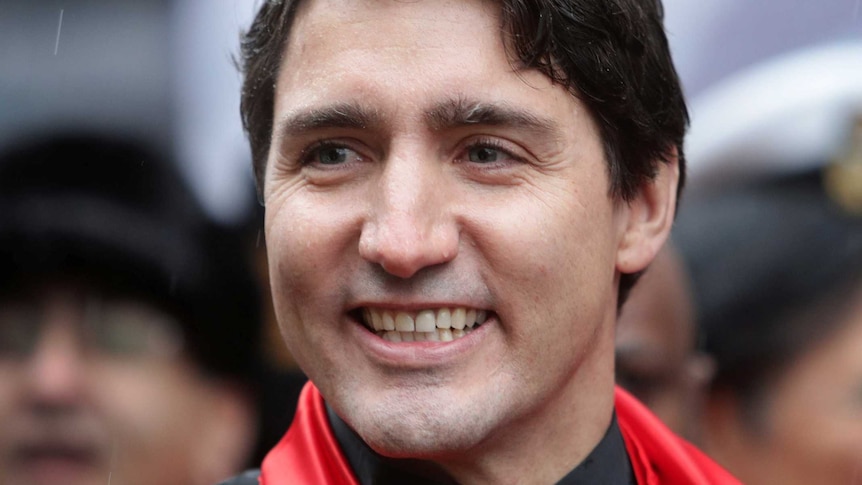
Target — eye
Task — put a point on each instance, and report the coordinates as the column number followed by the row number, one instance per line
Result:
column 130, row 329
column 329, row 154
column 332, row 155
column 488, row 151
column 484, row 154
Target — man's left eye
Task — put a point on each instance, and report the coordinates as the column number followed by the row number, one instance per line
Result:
column 484, row 154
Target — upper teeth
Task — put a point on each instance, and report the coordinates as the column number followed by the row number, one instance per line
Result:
column 424, row 320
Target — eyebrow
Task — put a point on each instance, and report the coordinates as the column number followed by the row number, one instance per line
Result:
column 340, row 115
column 459, row 112
column 449, row 114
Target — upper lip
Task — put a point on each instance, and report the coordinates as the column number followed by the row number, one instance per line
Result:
column 417, row 306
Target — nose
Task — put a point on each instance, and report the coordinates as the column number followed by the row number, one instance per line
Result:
column 57, row 367
column 411, row 225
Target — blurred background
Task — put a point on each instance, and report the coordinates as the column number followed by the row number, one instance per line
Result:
column 775, row 94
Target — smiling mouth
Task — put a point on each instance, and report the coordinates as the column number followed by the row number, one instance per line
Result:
column 439, row 325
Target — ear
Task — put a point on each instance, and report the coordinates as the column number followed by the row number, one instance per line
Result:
column 649, row 217
column 227, row 434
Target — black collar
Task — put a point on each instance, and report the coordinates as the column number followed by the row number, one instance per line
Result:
column 608, row 463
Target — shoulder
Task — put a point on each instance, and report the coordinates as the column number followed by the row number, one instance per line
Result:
column 249, row 477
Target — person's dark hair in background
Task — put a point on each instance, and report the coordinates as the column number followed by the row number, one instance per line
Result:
column 612, row 55
column 777, row 266
column 165, row 316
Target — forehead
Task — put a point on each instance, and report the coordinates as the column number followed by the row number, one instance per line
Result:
column 322, row 23
column 404, row 51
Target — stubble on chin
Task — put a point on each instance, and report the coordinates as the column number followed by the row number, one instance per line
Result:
column 429, row 425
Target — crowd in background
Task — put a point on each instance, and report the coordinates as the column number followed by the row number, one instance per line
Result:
column 136, row 333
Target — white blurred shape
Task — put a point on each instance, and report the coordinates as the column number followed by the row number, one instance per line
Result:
column 785, row 114
column 210, row 143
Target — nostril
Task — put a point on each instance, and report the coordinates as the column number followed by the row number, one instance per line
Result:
column 402, row 269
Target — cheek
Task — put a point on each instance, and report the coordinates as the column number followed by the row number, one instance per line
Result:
column 311, row 246
column 551, row 266
column 10, row 386
column 148, row 408
column 11, row 391
column 552, row 251
column 307, row 237
column 836, row 444
column 815, row 434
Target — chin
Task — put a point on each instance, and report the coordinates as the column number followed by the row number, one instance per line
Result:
column 420, row 440
column 419, row 428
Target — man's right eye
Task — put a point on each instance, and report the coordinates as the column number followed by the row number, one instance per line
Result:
column 329, row 155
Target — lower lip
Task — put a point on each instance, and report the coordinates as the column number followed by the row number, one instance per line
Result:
column 421, row 354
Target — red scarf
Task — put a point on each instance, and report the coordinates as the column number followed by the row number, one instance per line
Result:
column 659, row 456
column 309, row 453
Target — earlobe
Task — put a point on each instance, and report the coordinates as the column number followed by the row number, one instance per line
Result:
column 649, row 218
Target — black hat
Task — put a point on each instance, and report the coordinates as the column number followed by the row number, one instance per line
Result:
column 123, row 218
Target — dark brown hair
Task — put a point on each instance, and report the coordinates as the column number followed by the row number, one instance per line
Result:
column 612, row 54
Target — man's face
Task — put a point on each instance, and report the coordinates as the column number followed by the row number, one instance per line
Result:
column 95, row 391
column 417, row 177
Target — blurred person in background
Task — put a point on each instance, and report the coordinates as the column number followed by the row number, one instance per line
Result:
column 128, row 322
column 657, row 358
column 777, row 266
